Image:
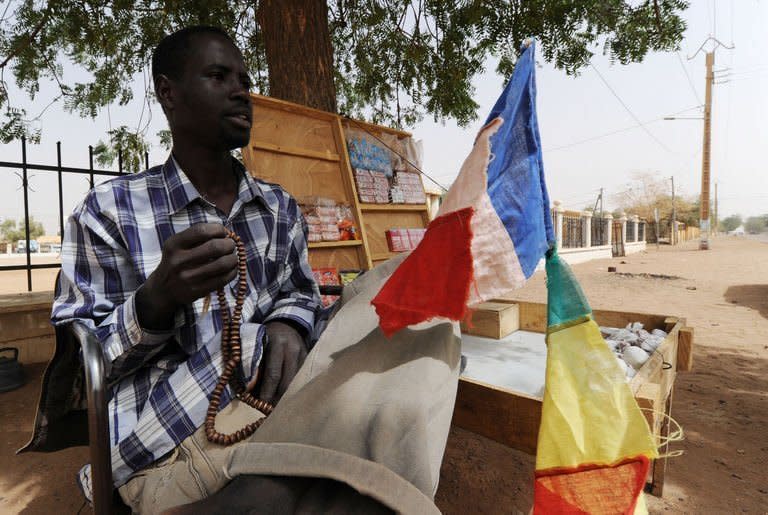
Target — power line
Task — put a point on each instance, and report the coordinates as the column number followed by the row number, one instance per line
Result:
column 617, row 131
column 687, row 76
column 662, row 145
column 740, row 79
column 415, row 167
column 730, row 105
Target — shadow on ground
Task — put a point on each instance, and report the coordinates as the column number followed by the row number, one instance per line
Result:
column 753, row 296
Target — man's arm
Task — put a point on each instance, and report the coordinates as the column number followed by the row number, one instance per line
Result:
column 99, row 287
column 195, row 262
column 290, row 323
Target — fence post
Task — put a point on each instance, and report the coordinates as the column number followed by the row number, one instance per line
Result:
column 25, row 185
column 608, row 221
column 90, row 163
column 587, row 228
column 61, row 193
column 559, row 209
column 623, row 221
column 635, row 233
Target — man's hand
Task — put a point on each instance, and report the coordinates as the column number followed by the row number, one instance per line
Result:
column 195, row 262
column 283, row 356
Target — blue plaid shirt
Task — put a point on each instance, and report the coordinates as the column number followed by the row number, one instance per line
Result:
column 161, row 381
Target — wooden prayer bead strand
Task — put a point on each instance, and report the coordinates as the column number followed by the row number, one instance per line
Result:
column 225, row 323
column 231, row 352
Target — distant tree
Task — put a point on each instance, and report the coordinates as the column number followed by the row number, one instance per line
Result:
column 731, row 223
column 648, row 192
column 755, row 225
column 11, row 231
column 395, row 60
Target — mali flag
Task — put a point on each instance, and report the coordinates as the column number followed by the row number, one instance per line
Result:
column 594, row 444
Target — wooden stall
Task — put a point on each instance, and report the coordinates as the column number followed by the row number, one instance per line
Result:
column 305, row 151
column 377, row 218
column 513, row 418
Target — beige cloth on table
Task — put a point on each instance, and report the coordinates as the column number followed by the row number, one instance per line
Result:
column 365, row 410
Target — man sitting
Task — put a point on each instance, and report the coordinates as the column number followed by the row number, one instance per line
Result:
column 143, row 258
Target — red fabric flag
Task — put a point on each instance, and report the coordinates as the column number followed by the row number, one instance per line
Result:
column 437, row 276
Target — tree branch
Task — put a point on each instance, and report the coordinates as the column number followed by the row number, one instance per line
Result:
column 28, row 38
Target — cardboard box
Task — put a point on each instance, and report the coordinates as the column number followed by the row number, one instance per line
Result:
column 492, row 320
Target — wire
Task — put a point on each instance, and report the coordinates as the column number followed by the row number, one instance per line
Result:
column 726, row 144
column 394, row 151
column 581, row 195
column 617, row 131
column 687, row 76
column 657, row 140
column 730, row 74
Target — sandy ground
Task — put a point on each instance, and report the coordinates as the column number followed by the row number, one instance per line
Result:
column 14, row 281
column 722, row 405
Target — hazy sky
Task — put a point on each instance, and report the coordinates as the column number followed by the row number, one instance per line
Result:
column 570, row 110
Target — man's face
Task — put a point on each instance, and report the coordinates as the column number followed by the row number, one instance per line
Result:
column 212, row 106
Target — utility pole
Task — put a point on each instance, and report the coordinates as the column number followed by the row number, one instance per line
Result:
column 673, row 236
column 599, row 200
column 705, row 155
column 716, row 223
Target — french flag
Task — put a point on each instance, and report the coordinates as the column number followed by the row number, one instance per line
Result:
column 493, row 227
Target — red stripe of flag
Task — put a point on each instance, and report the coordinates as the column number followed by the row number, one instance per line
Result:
column 434, row 280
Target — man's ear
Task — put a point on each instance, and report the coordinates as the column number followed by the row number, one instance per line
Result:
column 165, row 92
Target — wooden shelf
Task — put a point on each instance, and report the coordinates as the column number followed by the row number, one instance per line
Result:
column 334, row 244
column 305, row 151
column 393, row 207
column 292, row 151
column 381, row 256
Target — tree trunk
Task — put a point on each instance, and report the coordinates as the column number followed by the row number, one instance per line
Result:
column 298, row 48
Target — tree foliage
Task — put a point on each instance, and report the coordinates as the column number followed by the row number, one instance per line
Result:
column 756, row 224
column 394, row 60
column 125, row 145
column 648, row 192
column 730, row 223
column 12, row 231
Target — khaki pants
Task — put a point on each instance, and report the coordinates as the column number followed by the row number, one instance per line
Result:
column 365, row 410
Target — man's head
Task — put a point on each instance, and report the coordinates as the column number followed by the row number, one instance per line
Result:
column 202, row 84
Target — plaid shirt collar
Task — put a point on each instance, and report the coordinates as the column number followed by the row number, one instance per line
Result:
column 181, row 191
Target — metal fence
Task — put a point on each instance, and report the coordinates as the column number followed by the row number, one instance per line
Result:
column 60, row 170
column 573, row 232
column 628, row 236
column 599, row 231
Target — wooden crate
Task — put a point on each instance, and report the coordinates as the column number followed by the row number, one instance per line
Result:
column 305, row 151
column 492, row 320
column 513, row 418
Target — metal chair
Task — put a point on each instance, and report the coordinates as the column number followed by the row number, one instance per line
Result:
column 72, row 410
column 98, row 420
